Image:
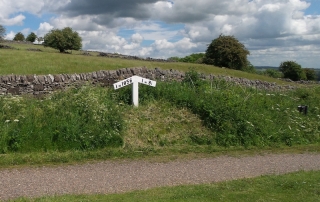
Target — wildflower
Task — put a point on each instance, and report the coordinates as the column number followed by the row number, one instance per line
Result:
column 7, row 121
column 289, row 127
column 302, row 126
column 16, row 120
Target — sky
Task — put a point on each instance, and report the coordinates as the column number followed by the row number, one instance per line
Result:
column 272, row 30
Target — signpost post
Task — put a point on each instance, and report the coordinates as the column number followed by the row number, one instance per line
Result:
column 134, row 80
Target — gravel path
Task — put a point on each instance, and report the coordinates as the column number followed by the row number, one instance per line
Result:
column 115, row 177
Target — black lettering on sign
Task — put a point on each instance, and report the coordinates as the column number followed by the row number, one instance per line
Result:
column 150, row 83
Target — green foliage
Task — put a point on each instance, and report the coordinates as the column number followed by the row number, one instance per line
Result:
column 193, row 58
column 241, row 116
column 292, row 70
column 65, row 39
column 2, row 32
column 310, row 74
column 19, row 37
column 79, row 119
column 174, row 59
column 31, row 37
column 272, row 73
column 192, row 79
column 227, row 51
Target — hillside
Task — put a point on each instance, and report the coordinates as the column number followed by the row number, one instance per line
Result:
column 35, row 59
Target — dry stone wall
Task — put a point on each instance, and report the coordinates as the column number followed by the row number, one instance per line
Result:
column 44, row 84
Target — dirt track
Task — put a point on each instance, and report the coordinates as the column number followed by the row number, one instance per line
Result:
column 114, row 177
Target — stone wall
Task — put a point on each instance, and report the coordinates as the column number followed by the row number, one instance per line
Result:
column 43, row 84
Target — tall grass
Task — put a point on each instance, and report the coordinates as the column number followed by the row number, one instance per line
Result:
column 78, row 119
column 90, row 118
column 240, row 116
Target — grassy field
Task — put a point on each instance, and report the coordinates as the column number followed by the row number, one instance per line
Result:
column 301, row 186
column 50, row 61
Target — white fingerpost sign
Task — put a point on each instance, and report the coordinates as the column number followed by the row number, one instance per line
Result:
column 134, row 80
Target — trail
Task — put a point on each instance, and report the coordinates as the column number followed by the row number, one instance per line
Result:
column 123, row 176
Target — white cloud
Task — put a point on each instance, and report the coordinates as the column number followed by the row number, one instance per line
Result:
column 10, row 35
column 43, row 29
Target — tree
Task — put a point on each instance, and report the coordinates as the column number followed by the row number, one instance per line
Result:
column 292, row 70
column 19, row 37
column 65, row 39
column 311, row 74
column 2, row 32
column 227, row 51
column 31, row 37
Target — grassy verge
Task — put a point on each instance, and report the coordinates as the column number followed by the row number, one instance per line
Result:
column 301, row 186
column 188, row 119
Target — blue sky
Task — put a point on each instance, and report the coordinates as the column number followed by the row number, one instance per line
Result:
column 272, row 30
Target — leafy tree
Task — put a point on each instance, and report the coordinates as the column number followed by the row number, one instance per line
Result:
column 19, row 37
column 65, row 39
column 311, row 74
column 31, row 37
column 292, row 70
column 227, row 51
column 2, row 32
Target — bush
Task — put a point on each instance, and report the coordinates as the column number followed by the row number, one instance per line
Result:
column 31, row 37
column 227, row 51
column 272, row 73
column 292, row 70
column 19, row 37
column 311, row 74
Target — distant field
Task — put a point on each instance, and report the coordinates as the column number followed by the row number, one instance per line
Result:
column 50, row 61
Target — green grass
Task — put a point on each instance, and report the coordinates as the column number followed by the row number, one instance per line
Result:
column 50, row 61
column 94, row 123
column 301, row 186
column 192, row 117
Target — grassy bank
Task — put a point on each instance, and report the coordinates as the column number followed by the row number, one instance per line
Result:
column 301, row 186
column 93, row 123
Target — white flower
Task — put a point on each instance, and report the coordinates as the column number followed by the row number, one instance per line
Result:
column 7, row 121
column 289, row 127
column 16, row 120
